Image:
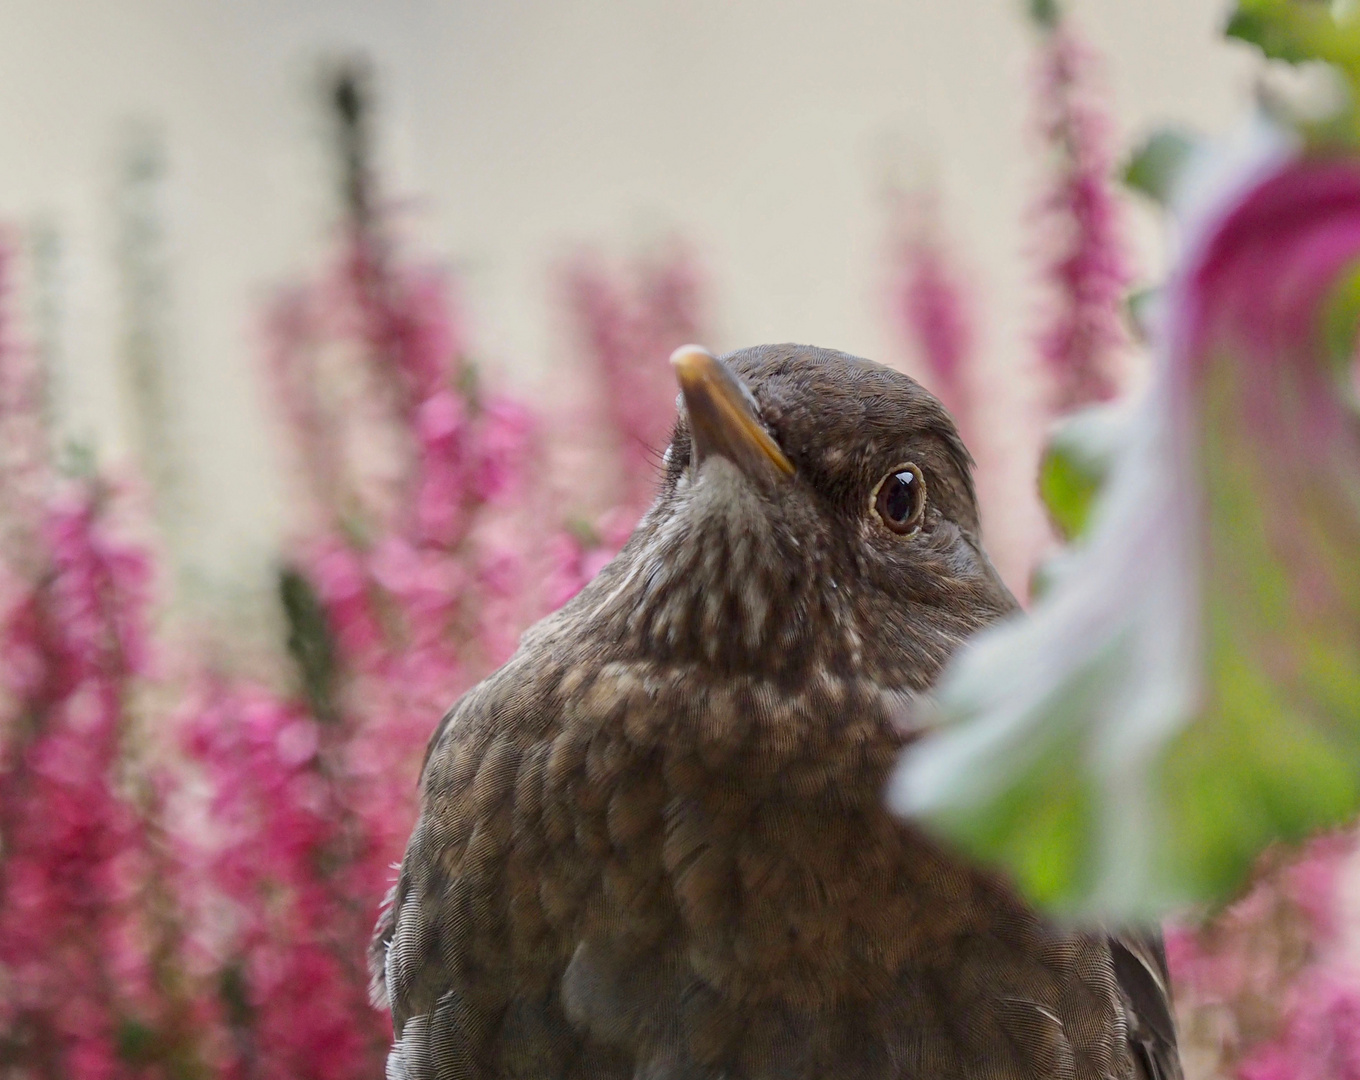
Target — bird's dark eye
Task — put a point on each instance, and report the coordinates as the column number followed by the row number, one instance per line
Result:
column 900, row 499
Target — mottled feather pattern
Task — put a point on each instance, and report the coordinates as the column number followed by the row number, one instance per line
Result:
column 644, row 854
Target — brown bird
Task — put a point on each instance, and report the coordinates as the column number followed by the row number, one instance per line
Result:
column 654, row 844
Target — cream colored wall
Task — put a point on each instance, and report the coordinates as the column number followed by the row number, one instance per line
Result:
column 759, row 130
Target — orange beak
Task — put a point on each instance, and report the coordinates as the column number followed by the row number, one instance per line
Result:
column 722, row 415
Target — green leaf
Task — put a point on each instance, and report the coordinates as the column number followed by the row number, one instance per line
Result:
column 1280, row 31
column 1068, row 490
column 583, row 531
column 309, row 642
column 1045, row 13
column 1075, row 463
column 233, row 990
column 1297, row 31
column 137, row 1043
column 78, row 460
column 469, row 383
column 1140, row 308
column 1157, row 165
column 1341, row 316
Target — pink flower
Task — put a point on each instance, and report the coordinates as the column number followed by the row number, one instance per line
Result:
column 575, row 557
column 1321, row 1036
column 75, row 944
column 1236, row 469
column 629, row 329
column 440, row 418
column 1080, row 233
column 307, row 814
column 933, row 309
column 504, row 439
column 282, row 814
column 341, row 582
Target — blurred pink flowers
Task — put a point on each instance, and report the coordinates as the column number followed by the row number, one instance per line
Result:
column 629, row 326
column 286, row 876
column 75, row 969
column 933, row 307
column 1269, row 991
column 1080, row 243
column 405, row 588
column 188, row 891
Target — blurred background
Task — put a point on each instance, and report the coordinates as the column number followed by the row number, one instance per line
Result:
column 766, row 137
column 333, row 344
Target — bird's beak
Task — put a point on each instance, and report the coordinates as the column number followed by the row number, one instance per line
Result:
column 722, row 415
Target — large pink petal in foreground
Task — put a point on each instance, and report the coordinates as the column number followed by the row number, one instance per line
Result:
column 1189, row 690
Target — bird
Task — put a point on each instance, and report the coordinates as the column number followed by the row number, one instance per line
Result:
column 654, row 844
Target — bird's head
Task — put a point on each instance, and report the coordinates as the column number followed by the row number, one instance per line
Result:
column 815, row 508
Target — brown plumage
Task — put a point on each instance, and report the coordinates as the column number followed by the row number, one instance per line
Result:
column 654, row 844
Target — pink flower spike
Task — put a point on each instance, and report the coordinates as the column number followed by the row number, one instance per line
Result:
column 1080, row 230
column 933, row 309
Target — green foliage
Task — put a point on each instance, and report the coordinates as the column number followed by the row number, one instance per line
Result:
column 1341, row 316
column 583, row 531
column 1139, row 309
column 1074, row 466
column 1045, row 13
column 1156, row 166
column 309, row 642
column 77, row 459
column 1068, row 486
column 1301, row 31
column 137, row 1043
column 1028, row 805
column 1298, row 30
column 1272, row 755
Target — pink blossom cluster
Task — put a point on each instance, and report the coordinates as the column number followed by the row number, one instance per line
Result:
column 407, row 465
column 76, row 967
column 933, row 307
column 1080, row 242
column 577, row 554
column 289, row 868
column 1269, row 989
column 289, row 806
column 629, row 325
column 424, row 567
column 431, row 455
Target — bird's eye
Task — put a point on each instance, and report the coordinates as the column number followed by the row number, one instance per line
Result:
column 900, row 499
